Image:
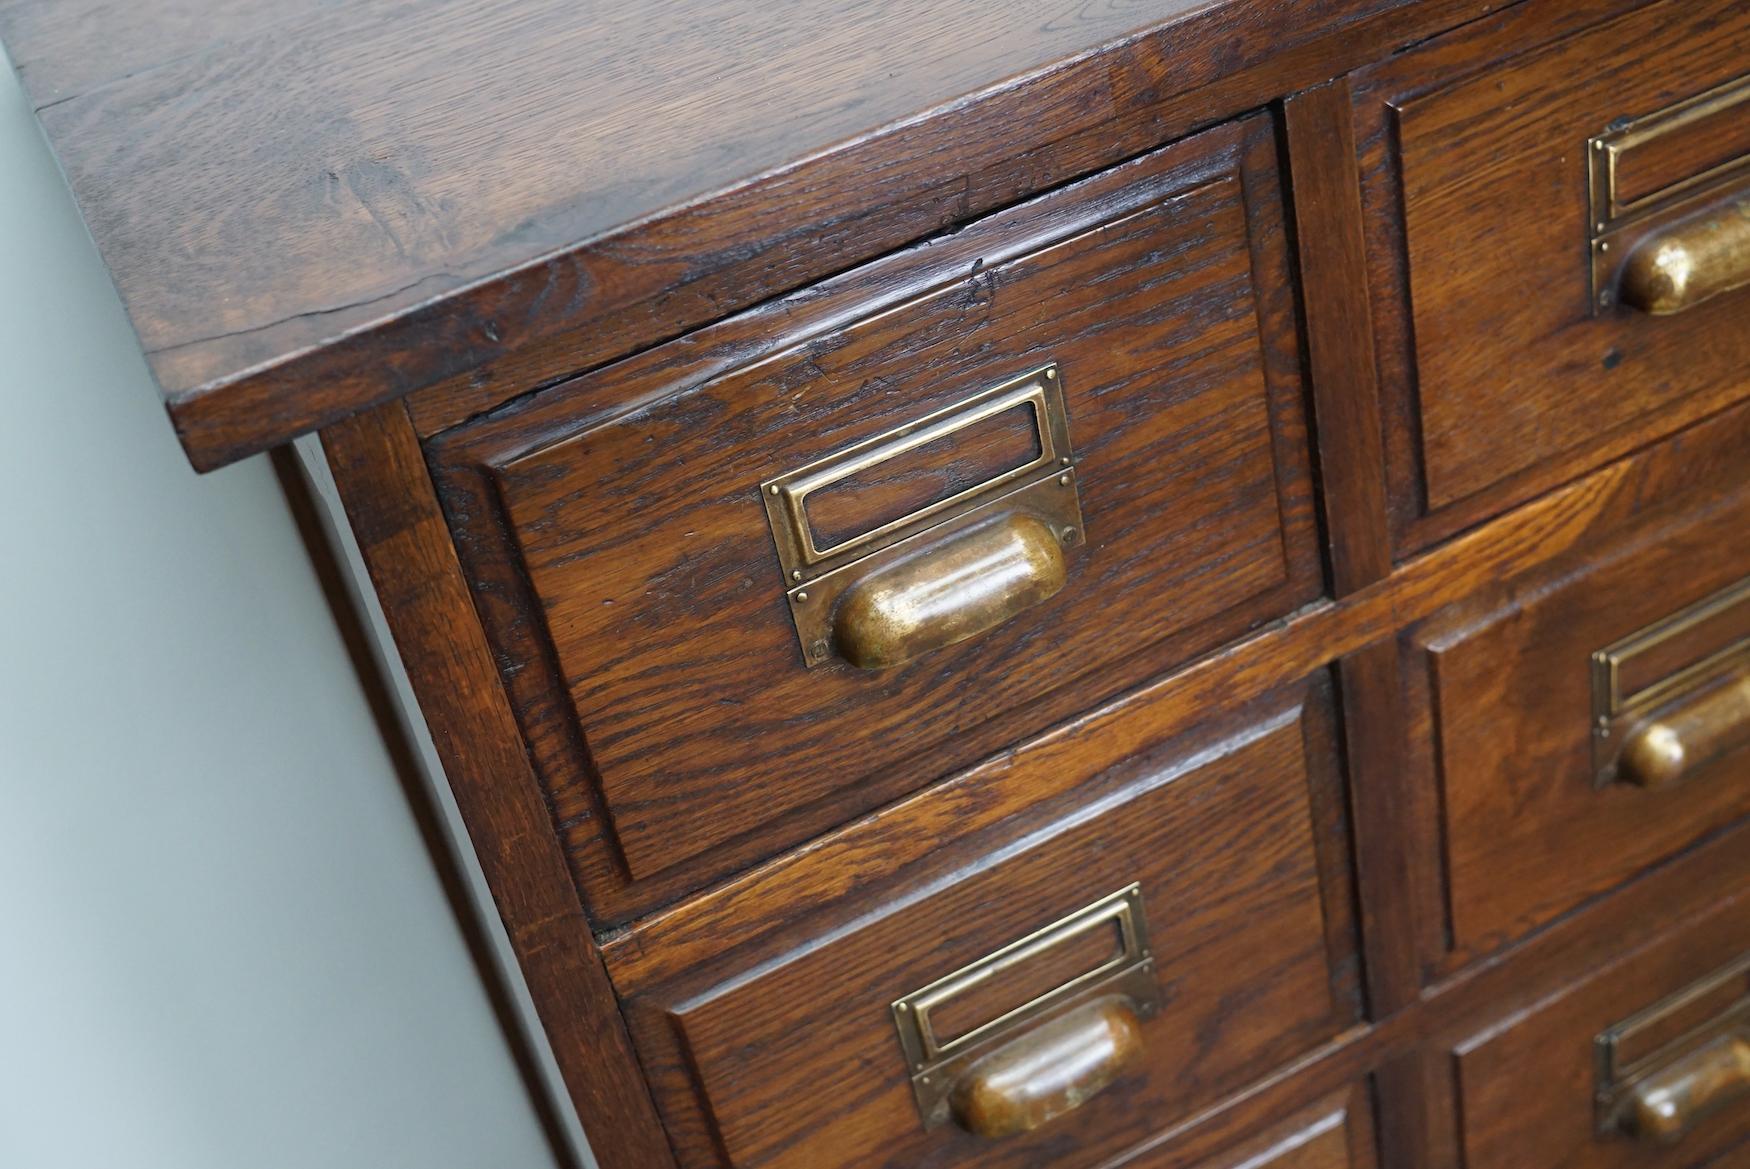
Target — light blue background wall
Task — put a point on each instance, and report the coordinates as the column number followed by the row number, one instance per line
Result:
column 223, row 944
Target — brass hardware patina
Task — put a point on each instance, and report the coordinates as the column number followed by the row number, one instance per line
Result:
column 948, row 591
column 948, row 569
column 1045, row 1057
column 1678, row 268
column 1659, row 1097
column 1672, row 245
column 1673, row 697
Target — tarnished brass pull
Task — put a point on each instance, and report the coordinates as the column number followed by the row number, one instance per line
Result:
column 996, row 1066
column 1693, row 261
column 1048, row 1071
column 1672, row 746
column 1670, row 1102
column 932, row 532
column 970, row 582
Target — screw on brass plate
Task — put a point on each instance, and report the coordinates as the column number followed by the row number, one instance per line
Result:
column 1050, row 373
column 1604, row 245
column 1063, row 461
column 1069, row 535
column 1063, row 480
column 774, row 489
column 801, row 597
column 817, row 650
column 796, row 574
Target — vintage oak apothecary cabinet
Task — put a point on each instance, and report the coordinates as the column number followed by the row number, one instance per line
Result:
column 1036, row 584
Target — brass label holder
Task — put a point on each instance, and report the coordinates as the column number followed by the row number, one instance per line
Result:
column 1045, row 486
column 1618, row 223
column 1618, row 708
column 935, row 1064
column 1621, row 1067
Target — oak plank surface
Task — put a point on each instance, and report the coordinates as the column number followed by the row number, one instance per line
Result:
column 317, row 207
column 377, row 468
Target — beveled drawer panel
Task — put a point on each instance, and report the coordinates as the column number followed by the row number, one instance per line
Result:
column 1590, row 720
column 1336, row 1133
column 1644, row 1061
column 788, row 568
column 781, row 1019
column 1574, row 248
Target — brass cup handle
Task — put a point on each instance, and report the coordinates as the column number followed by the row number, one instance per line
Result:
column 1690, row 262
column 1050, row 1070
column 1669, row 1103
column 1672, row 746
column 953, row 589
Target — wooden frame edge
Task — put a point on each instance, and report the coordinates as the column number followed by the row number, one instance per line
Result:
column 379, row 470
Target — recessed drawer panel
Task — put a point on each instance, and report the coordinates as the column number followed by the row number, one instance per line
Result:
column 1336, row 1132
column 824, row 553
column 1645, row 1062
column 1576, row 235
column 984, row 978
column 1591, row 722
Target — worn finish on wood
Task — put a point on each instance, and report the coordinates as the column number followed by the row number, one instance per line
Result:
column 1327, row 211
column 1501, row 382
column 1158, row 290
column 1525, row 1085
column 376, row 463
column 779, row 1043
column 313, row 207
column 1508, row 672
column 1315, row 280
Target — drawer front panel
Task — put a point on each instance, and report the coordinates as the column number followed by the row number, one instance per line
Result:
column 1645, row 1062
column 1592, row 723
column 1335, row 1133
column 1540, row 341
column 836, row 545
column 1051, row 990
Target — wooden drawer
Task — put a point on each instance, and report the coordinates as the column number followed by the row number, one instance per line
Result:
column 1080, row 420
column 1335, row 1133
column 1538, row 184
column 1589, row 721
column 900, row 992
column 1643, row 1062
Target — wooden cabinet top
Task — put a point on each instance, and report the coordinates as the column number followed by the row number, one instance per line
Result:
column 312, row 206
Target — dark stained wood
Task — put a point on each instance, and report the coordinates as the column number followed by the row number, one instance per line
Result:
column 779, row 1042
column 1315, row 278
column 1327, row 210
column 1160, row 291
column 377, row 467
column 1397, row 863
column 1499, row 382
column 1336, row 1133
column 316, row 528
column 1508, row 674
column 1525, row 1083
column 310, row 209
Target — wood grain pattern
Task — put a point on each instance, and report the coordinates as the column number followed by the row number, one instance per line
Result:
column 1159, row 291
column 1526, row 1082
column 783, row 1037
column 1327, row 210
column 311, row 208
column 1497, row 381
column 377, row 467
column 1527, row 834
column 1336, row 1133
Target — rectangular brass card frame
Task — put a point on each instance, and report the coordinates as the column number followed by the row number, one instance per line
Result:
column 936, row 1064
column 1615, row 1080
column 816, row 577
column 1618, row 225
column 1616, row 714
